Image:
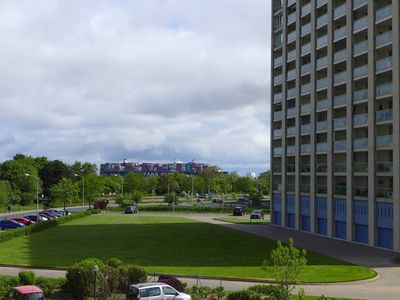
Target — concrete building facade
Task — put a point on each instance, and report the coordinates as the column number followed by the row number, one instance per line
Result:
column 335, row 119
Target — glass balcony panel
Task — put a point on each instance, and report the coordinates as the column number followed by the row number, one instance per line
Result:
column 322, row 126
column 340, row 100
column 305, row 108
column 292, row 55
column 360, row 71
column 306, row 68
column 305, row 88
column 321, row 2
column 322, row 168
column 291, row 2
column 277, row 5
column 383, row 13
column 290, row 168
column 340, row 77
column 322, row 62
column 322, row 147
column 305, row 148
column 278, row 61
column 360, row 23
column 277, row 133
column 291, row 18
column 360, row 119
column 322, row 41
column 360, row 143
column 339, row 122
column 322, row 104
column 322, row 189
column 385, row 115
column 322, row 83
column 291, row 74
column 384, row 141
column 277, row 151
column 339, row 167
column 360, row 47
column 357, row 3
column 384, row 63
column 278, row 40
column 291, row 149
column 304, row 188
column 291, row 131
column 306, row 9
column 340, row 190
column 277, row 97
column 305, row 48
column 278, row 115
column 383, row 38
column 291, row 93
column 384, row 89
column 291, row 111
column 322, row 20
column 340, row 32
column 278, row 79
column 291, row 36
column 384, row 193
column 340, row 10
column 360, row 167
column 340, row 145
column 306, row 29
column 305, row 128
column 361, row 191
column 385, row 166
column 340, row 55
column 360, row 95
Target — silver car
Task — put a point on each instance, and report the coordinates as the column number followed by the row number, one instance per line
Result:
column 155, row 291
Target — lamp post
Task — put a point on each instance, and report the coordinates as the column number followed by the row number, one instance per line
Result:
column 192, row 188
column 83, row 191
column 95, row 269
column 37, row 193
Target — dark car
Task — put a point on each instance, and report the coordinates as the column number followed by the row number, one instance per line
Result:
column 238, row 211
column 257, row 214
column 131, row 210
column 35, row 218
column 217, row 201
column 10, row 224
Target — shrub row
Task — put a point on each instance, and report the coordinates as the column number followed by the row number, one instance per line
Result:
column 21, row 231
column 188, row 209
column 259, row 292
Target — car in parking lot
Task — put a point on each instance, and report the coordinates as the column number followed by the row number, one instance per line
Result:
column 22, row 220
column 257, row 214
column 238, row 211
column 155, row 291
column 34, row 217
column 25, row 292
column 131, row 210
column 9, row 224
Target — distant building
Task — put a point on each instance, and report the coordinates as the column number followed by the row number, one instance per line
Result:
column 150, row 169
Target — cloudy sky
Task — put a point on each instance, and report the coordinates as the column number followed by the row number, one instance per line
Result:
column 147, row 80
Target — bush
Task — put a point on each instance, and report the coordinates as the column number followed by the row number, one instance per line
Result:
column 26, row 277
column 206, row 293
column 273, row 291
column 169, row 197
column 136, row 274
column 100, row 204
column 137, row 196
column 49, row 285
column 189, row 209
column 114, row 262
column 172, row 281
column 247, row 295
column 7, row 283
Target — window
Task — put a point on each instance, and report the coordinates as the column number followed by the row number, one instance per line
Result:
column 35, row 296
column 169, row 291
column 150, row 292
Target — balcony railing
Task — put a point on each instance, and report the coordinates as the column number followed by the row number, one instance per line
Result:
column 277, row 133
column 385, row 115
column 306, row 29
column 340, row 10
column 305, row 108
column 291, row 74
column 360, row 143
column 384, row 193
column 360, row 119
column 291, row 93
column 278, row 115
column 339, row 123
column 339, row 167
column 384, row 89
column 322, row 62
column 291, row 131
column 360, row 167
column 305, row 88
column 360, row 47
column 340, row 190
column 277, row 5
column 305, row 148
column 383, row 13
column 340, row 145
column 322, row 104
column 321, row 2
column 291, row 111
column 383, row 64
column 340, row 100
column 384, row 141
column 278, row 79
column 384, row 167
column 306, row 9
column 291, row 55
column 277, row 151
column 322, row 83
column 305, row 48
column 290, row 2
column 291, row 149
column 322, row 20
column 305, row 68
column 361, row 191
column 340, row 55
column 291, row 36
column 339, row 33
column 322, row 189
column 322, row 126
column 291, row 18
column 322, row 168
column 322, row 41
column 340, row 77
column 277, row 97
column 360, row 71
column 383, row 38
column 360, row 23
column 278, row 61
column 305, row 128
column 358, row 3
column 322, row 147
column 360, row 95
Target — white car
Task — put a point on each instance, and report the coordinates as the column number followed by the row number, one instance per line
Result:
column 155, row 291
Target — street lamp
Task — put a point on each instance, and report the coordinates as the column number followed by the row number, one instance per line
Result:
column 95, row 270
column 37, row 193
column 83, row 191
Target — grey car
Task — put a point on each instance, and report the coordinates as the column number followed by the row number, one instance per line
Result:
column 155, row 291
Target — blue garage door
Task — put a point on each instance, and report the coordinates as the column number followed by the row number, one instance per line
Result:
column 277, row 218
column 340, row 229
column 385, row 238
column 322, row 226
column 361, row 233
column 305, row 223
column 291, row 220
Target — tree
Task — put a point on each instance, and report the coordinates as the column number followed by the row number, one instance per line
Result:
column 133, row 182
column 288, row 262
column 209, row 176
column 152, row 184
column 94, row 186
column 264, row 182
column 255, row 196
column 52, row 173
column 64, row 191
column 5, row 193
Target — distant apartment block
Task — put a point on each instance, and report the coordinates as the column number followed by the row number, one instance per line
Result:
column 335, row 125
column 148, row 169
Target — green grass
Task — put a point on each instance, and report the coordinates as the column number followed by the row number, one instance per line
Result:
column 240, row 220
column 173, row 245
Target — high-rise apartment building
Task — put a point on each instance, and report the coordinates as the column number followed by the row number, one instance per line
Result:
column 335, row 125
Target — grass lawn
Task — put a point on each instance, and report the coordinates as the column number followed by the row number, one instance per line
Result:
column 174, row 245
column 241, row 220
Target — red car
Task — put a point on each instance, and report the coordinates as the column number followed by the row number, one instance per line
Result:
column 22, row 221
column 25, row 292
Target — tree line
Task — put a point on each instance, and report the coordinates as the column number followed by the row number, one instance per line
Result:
column 24, row 178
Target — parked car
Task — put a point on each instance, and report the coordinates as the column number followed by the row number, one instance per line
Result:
column 217, row 201
column 22, row 221
column 154, row 291
column 9, row 224
column 257, row 214
column 131, row 210
column 59, row 212
column 34, row 217
column 54, row 213
column 25, row 292
column 47, row 215
column 238, row 211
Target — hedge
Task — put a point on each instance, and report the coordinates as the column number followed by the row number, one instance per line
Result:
column 26, row 230
column 186, row 209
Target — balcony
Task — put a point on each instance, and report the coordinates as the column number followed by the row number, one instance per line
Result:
column 340, row 145
column 321, row 2
column 322, row 20
column 322, row 189
column 322, row 104
column 322, row 41
column 340, row 33
column 278, row 115
column 291, row 111
column 384, row 193
column 306, row 9
column 277, row 5
column 340, row 190
column 291, row 55
column 383, row 13
column 291, row 18
column 305, row 148
column 384, row 64
column 278, row 97
column 360, row 71
column 306, row 68
column 322, row 126
column 291, row 93
column 291, row 37
column 383, row 39
column 358, row 3
column 322, row 147
column 291, row 149
column 360, row 120
column 322, row 62
column 384, row 141
column 305, row 49
column 322, row 83
column 360, row 191
column 305, row 129
column 360, row 95
column 305, row 188
column 305, row 88
column 291, row 131
column 340, row 77
column 322, row 168
column 384, row 90
column 384, row 167
column 306, row 29
column 340, row 55
column 277, row 151
column 360, row 23
column 360, row 47
column 360, row 144
column 340, row 11
column 340, row 100
column 339, row 167
column 385, row 115
column 277, row 133
column 305, row 168
column 290, row 2
column 360, row 167
column 291, row 74
column 305, row 108
column 278, row 61
column 339, row 123
column 278, row 79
